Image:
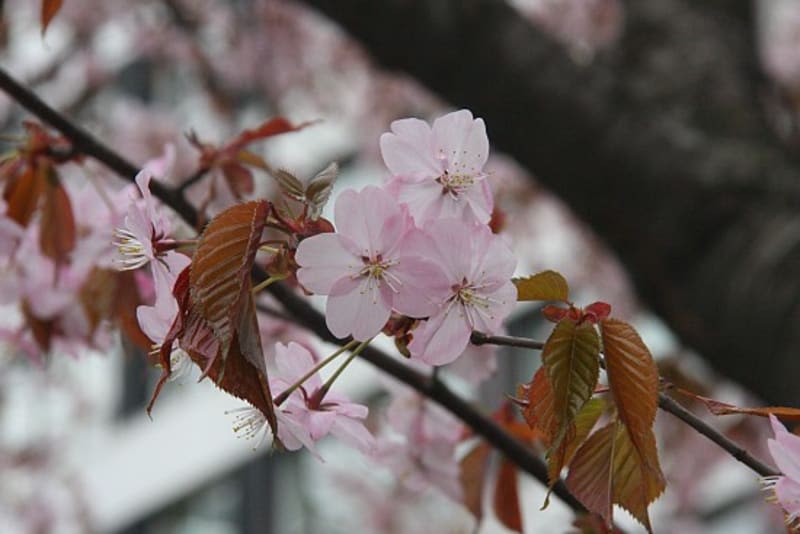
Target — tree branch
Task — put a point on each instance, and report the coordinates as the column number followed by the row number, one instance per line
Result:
column 298, row 307
column 660, row 145
column 666, row 403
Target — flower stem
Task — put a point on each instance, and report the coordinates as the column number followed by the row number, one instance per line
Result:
column 267, row 282
column 319, row 395
column 280, row 399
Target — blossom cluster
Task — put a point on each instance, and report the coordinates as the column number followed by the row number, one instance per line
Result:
column 420, row 246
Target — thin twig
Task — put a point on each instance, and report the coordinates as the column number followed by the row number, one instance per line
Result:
column 479, row 338
column 298, row 307
column 668, row 404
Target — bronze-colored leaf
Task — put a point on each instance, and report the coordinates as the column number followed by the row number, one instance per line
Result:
column 473, row 469
column 49, row 10
column 610, row 469
column 540, row 412
column 547, row 285
column 319, row 190
column 57, row 232
column 632, row 377
column 723, row 408
column 220, row 271
column 560, row 456
column 22, row 194
column 506, row 497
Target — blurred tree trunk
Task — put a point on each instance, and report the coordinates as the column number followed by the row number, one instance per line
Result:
column 659, row 145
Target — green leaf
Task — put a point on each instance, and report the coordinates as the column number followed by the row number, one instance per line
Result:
column 585, row 420
column 610, row 469
column 571, row 358
column 547, row 285
column 632, row 378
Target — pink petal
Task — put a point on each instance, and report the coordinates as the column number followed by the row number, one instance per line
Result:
column 292, row 362
column 462, row 140
column 787, row 491
column 423, row 286
column 353, row 433
column 324, row 259
column 320, row 423
column 442, row 338
column 293, row 433
column 408, row 150
column 362, row 216
column 361, row 313
column 424, row 199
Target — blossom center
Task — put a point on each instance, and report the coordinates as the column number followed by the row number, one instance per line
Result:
column 132, row 251
column 378, row 270
column 454, row 184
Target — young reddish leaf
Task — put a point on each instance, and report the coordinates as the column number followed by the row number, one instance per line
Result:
column 57, row 235
column 547, row 285
column 49, row 10
column 632, row 378
column 723, row 408
column 540, row 410
column 585, row 420
column 239, row 179
column 554, row 314
column 252, row 159
column 22, row 193
column 220, row 272
column 126, row 300
column 597, row 311
column 609, row 469
column 236, row 373
column 42, row 329
column 506, row 497
column 274, row 126
column 473, row 475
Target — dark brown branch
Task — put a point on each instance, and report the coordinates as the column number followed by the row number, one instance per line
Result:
column 298, row 307
column 659, row 144
column 668, row 404
column 665, row 402
column 479, row 338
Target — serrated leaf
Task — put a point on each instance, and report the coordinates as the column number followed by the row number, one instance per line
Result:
column 236, row 374
column 472, row 474
column 270, row 127
column 22, row 194
column 219, row 278
column 57, row 232
column 539, row 412
column 290, row 185
column 547, row 285
column 723, row 408
column 319, row 190
column 609, row 469
column 239, row 179
column 632, row 377
column 571, row 357
column 506, row 497
column 585, row 420
column 49, row 10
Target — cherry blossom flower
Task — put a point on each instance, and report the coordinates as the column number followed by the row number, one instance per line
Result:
column 155, row 320
column 420, row 444
column 304, row 417
column 145, row 227
column 364, row 268
column 785, row 451
column 478, row 294
column 438, row 171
